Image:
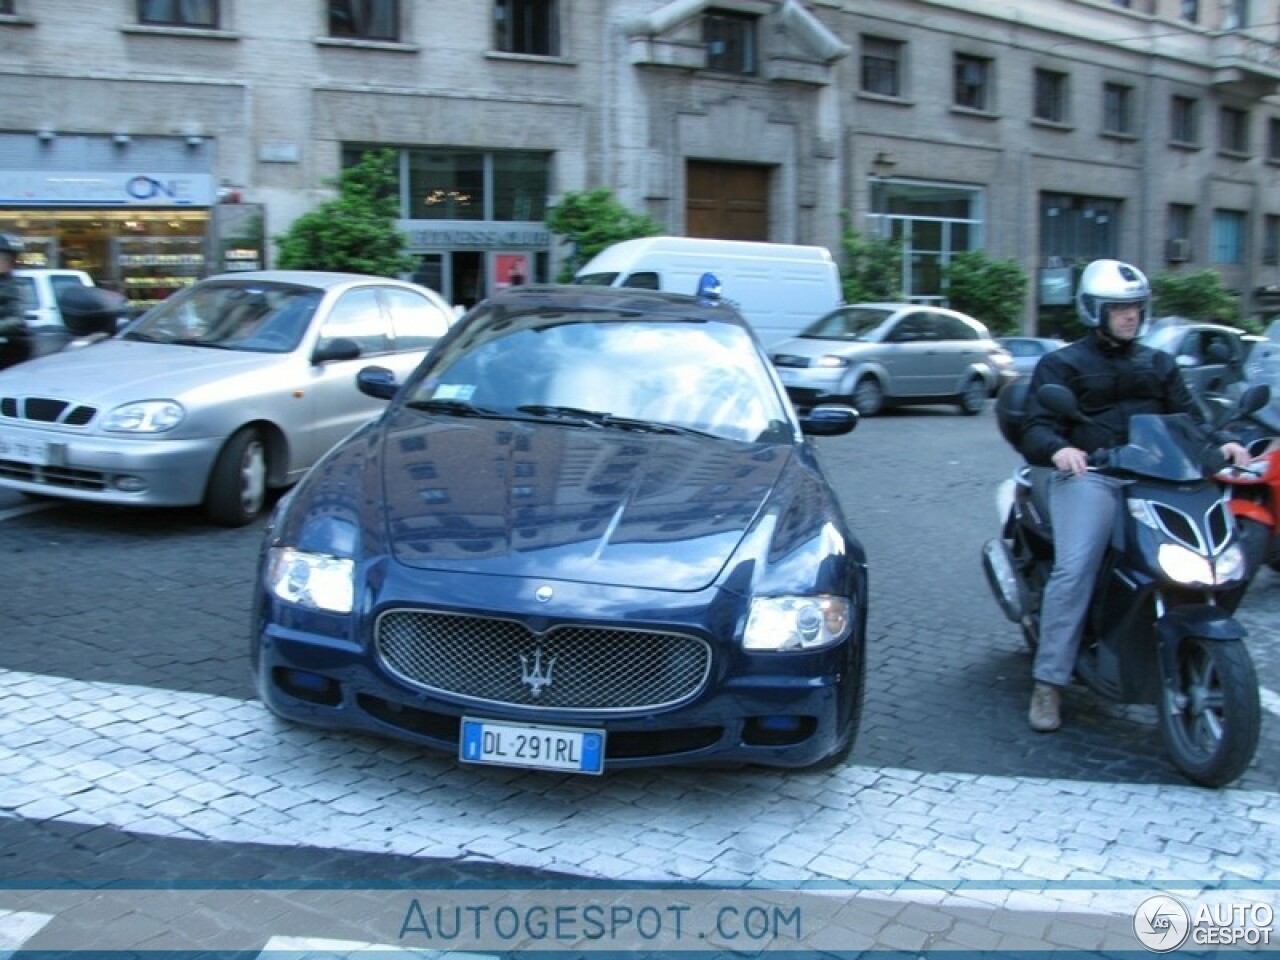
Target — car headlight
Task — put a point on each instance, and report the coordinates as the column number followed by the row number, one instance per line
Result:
column 782, row 624
column 827, row 360
column 311, row 579
column 146, row 416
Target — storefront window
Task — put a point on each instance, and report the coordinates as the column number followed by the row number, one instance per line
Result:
column 519, row 186
column 445, row 185
column 933, row 222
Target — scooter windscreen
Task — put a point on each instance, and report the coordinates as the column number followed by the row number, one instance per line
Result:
column 1165, row 447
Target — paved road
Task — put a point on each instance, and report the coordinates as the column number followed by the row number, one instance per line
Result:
column 133, row 752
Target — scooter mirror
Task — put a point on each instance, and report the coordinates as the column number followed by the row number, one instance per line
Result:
column 1254, row 398
column 1058, row 399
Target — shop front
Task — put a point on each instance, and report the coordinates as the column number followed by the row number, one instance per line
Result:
column 467, row 262
column 144, row 229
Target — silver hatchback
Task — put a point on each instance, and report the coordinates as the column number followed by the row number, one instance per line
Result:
column 874, row 355
column 231, row 387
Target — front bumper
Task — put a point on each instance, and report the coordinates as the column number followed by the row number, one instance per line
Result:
column 105, row 469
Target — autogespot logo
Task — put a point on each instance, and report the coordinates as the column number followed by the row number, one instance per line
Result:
column 1161, row 924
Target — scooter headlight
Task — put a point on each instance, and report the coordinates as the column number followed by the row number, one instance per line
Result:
column 1231, row 564
column 1185, row 566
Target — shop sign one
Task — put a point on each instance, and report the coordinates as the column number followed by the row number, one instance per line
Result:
column 64, row 188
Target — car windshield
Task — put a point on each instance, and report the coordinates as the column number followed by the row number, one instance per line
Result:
column 848, row 324
column 596, row 370
column 232, row 315
column 596, row 279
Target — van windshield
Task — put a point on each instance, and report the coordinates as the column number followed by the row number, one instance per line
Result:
column 849, row 323
column 597, row 279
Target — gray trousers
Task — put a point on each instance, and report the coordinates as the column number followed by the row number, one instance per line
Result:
column 1083, row 510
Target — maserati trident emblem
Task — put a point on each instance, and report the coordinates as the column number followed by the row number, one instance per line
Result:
column 543, row 594
column 536, row 678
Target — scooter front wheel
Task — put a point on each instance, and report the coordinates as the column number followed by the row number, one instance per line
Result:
column 1210, row 713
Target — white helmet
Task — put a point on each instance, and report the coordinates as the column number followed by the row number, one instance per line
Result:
column 1108, row 282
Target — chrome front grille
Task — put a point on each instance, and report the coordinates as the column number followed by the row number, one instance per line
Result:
column 567, row 668
column 46, row 410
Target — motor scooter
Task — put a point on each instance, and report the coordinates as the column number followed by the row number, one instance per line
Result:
column 1160, row 627
column 1253, row 494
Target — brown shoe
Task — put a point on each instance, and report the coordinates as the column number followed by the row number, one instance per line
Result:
column 1045, row 716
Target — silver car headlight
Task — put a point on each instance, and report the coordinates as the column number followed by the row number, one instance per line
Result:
column 829, row 361
column 145, row 416
column 312, row 580
column 782, row 624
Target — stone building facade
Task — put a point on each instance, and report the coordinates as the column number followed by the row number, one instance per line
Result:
column 155, row 141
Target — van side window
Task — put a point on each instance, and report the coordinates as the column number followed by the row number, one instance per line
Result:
column 643, row 280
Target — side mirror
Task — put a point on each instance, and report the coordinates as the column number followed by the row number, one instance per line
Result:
column 1255, row 397
column 377, row 382
column 339, row 348
column 1056, row 398
column 829, row 420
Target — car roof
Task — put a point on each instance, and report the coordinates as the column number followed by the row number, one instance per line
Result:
column 321, row 279
column 654, row 303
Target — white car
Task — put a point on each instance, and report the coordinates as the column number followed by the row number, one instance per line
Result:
column 40, row 288
column 233, row 386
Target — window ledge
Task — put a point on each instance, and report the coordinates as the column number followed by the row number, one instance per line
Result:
column 885, row 98
column 1118, row 135
column 355, row 43
column 976, row 114
column 1056, row 125
column 530, row 58
column 187, row 33
column 1234, row 154
column 1186, row 145
column 13, row 20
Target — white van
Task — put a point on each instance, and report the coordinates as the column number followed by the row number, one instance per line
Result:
column 779, row 288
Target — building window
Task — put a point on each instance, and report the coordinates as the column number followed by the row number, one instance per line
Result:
column 1233, row 130
column 6, row 8
column 1051, row 96
column 972, row 82
column 933, row 222
column 178, row 13
column 1228, row 237
column 1235, row 14
column 1117, row 108
column 530, row 27
column 1178, row 232
column 1273, row 139
column 730, row 39
column 1191, row 11
column 1078, row 228
column 881, row 66
column 1271, row 240
column 470, row 185
column 1182, row 120
column 364, row 19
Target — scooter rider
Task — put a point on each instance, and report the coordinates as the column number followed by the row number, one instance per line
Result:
column 1113, row 377
column 13, row 327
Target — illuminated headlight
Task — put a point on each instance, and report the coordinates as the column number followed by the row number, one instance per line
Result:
column 1194, row 570
column 311, row 579
column 1231, row 564
column 147, row 416
column 796, row 623
column 829, row 361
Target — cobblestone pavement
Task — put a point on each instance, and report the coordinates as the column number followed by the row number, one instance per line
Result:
column 133, row 757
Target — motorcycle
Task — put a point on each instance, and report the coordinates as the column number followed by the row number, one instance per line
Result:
column 1253, row 494
column 1160, row 627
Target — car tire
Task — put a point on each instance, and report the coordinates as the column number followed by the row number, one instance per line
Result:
column 237, row 489
column 973, row 398
column 868, row 396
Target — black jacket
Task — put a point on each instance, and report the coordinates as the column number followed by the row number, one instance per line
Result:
column 1111, row 383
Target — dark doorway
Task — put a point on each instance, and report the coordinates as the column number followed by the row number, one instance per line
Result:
column 726, row 201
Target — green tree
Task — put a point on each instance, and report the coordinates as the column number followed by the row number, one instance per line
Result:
column 990, row 290
column 872, row 266
column 1197, row 295
column 356, row 231
column 592, row 220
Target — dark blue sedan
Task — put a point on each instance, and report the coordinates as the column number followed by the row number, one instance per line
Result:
column 587, row 533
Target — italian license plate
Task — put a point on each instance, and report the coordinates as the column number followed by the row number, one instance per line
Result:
column 24, row 451
column 534, row 746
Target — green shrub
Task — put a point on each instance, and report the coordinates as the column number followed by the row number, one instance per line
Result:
column 590, row 221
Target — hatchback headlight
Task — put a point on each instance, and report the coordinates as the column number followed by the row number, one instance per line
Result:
column 146, row 416
column 312, row 580
column 829, row 360
column 782, row 624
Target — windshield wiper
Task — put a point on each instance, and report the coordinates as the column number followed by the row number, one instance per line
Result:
column 589, row 418
column 457, row 408
column 650, row 426
column 596, row 418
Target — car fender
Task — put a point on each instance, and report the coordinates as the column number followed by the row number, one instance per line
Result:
column 982, row 370
column 865, row 368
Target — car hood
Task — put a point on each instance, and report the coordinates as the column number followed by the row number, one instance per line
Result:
column 813, row 347
column 121, row 371
column 570, row 503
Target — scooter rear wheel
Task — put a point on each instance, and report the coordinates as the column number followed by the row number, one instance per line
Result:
column 1210, row 713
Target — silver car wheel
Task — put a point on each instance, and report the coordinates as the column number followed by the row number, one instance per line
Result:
column 253, row 477
column 974, row 396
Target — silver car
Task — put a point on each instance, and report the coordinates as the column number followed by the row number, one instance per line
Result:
column 873, row 355
column 236, row 385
